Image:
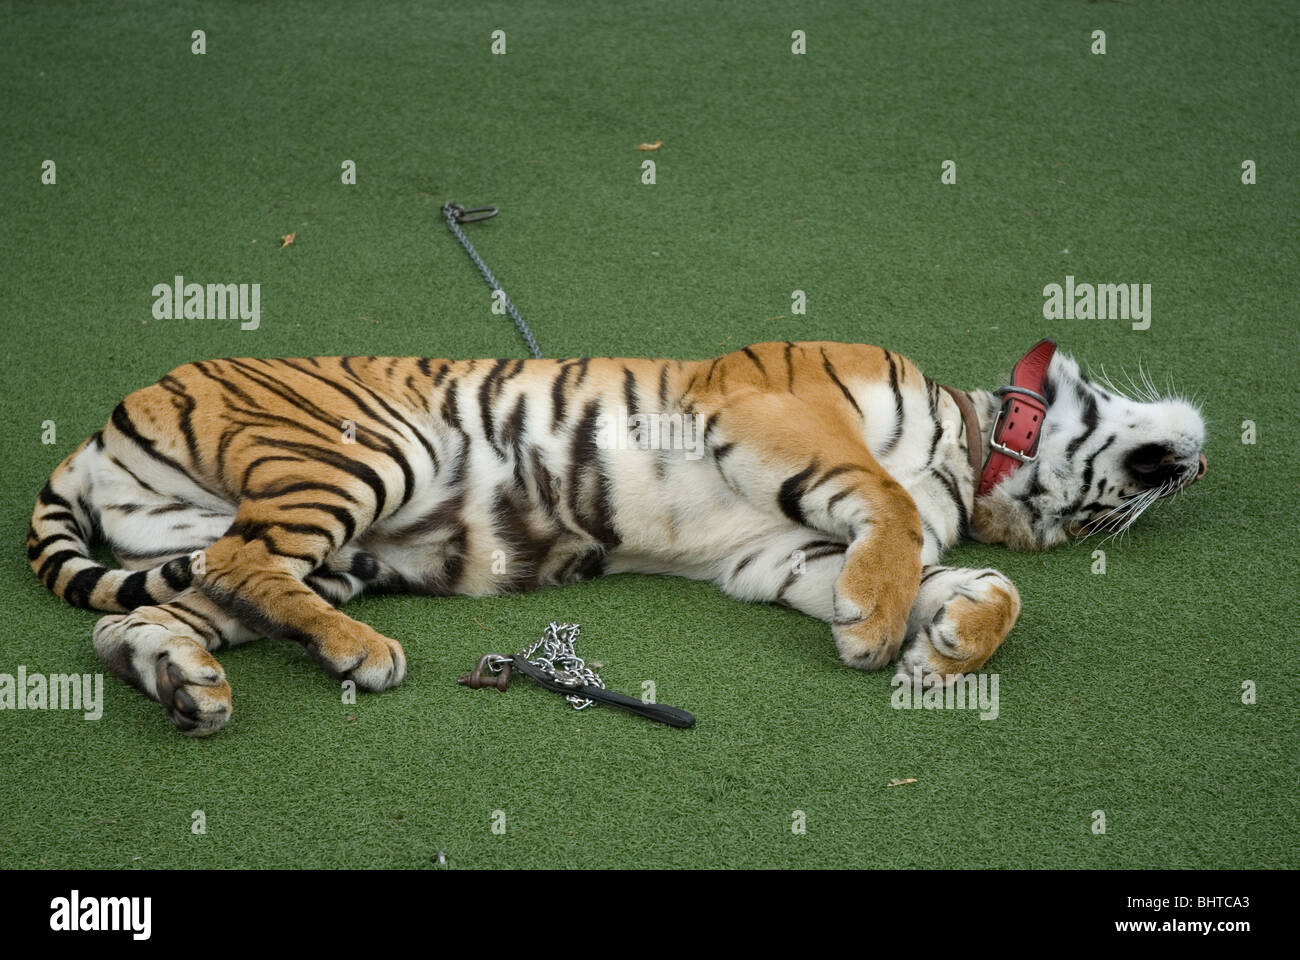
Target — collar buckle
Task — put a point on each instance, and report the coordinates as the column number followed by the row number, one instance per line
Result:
column 1004, row 449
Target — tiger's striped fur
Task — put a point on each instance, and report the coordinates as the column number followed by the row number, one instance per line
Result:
column 250, row 497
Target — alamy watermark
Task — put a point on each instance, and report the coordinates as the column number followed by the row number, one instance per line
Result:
column 651, row 431
column 55, row 691
column 1102, row 301
column 213, row 301
column 75, row 913
column 934, row 691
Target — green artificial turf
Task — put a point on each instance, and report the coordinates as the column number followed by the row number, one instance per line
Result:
column 1119, row 692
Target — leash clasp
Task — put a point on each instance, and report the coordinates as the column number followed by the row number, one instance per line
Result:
column 472, row 214
column 494, row 662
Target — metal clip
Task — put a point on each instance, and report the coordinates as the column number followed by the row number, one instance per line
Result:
column 473, row 214
column 494, row 662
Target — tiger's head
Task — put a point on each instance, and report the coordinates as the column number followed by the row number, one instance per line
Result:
column 1103, row 457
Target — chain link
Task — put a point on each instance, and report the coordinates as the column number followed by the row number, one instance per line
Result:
column 556, row 656
column 449, row 213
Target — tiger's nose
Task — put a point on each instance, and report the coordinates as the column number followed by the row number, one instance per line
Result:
column 1201, row 468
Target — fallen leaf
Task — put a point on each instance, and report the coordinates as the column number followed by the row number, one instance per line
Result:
column 901, row 783
column 650, row 146
column 482, row 625
column 287, row 239
column 352, row 718
column 368, row 319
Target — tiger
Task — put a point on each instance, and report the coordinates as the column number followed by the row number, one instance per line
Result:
column 247, row 498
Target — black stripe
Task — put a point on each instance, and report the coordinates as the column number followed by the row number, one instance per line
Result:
column 834, row 472
column 82, row 585
column 197, row 621
column 122, row 421
column 746, row 561
column 176, row 573
column 48, row 497
column 1087, row 465
column 184, row 405
column 934, row 571
column 485, row 396
column 830, row 372
column 49, row 571
column 558, row 396
column 450, row 409
column 133, row 592
column 791, row 494
column 950, row 485
column 586, row 470
column 629, row 392
column 898, row 405
column 341, row 514
column 337, row 460
column 269, row 493
column 1089, row 425
column 36, row 549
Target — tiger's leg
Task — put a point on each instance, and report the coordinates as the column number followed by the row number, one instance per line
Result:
column 349, row 572
column 164, row 652
column 814, row 467
column 959, row 619
column 257, row 573
column 797, row 569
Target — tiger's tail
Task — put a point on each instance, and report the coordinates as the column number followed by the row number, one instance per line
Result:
column 63, row 526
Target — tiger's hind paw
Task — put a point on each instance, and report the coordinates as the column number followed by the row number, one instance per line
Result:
column 192, row 688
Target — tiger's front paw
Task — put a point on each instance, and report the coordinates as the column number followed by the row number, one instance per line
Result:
column 974, row 614
column 867, row 640
column 358, row 653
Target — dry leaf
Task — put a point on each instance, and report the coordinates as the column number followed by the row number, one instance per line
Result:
column 287, row 239
column 901, row 783
column 650, row 146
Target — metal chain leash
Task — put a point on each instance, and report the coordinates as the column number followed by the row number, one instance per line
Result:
column 555, row 654
column 455, row 215
column 553, row 662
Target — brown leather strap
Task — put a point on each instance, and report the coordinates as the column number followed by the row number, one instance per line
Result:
column 974, row 439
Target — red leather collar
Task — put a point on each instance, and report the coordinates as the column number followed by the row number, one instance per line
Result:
column 1014, row 439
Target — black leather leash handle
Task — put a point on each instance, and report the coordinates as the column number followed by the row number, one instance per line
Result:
column 652, row 711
